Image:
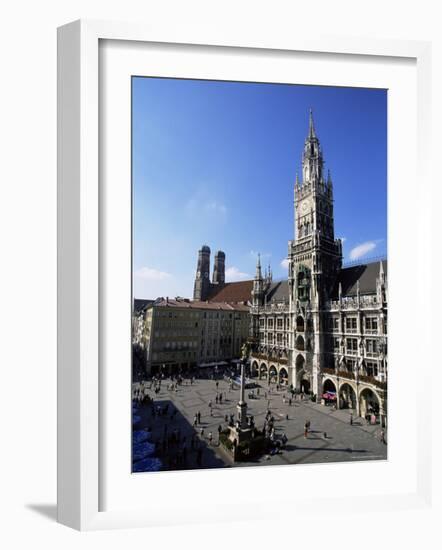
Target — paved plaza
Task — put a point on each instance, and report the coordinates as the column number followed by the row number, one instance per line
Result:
column 343, row 441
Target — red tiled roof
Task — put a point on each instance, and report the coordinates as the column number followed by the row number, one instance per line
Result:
column 194, row 304
column 238, row 292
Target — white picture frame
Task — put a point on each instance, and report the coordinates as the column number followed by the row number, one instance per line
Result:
column 80, row 266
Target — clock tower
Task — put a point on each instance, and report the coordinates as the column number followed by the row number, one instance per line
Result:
column 315, row 258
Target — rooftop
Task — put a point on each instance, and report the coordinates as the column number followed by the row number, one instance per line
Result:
column 366, row 274
column 139, row 305
column 194, row 304
column 238, row 292
column 278, row 292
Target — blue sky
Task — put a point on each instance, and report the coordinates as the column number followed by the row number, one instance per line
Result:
column 215, row 162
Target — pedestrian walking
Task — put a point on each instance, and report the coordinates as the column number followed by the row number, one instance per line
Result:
column 210, row 438
column 351, row 419
column 325, row 435
column 382, row 437
column 199, row 417
column 202, row 432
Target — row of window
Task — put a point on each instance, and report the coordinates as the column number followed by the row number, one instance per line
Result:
column 174, row 333
column 167, row 356
column 175, row 345
column 281, row 323
column 351, row 345
column 371, row 324
column 273, row 338
column 370, row 368
column 196, row 314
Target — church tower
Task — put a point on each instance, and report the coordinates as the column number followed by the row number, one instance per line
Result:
column 315, row 258
column 201, row 287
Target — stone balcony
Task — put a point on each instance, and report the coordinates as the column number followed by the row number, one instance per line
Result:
column 364, row 302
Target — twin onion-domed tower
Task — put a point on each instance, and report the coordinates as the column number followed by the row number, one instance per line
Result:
column 203, row 286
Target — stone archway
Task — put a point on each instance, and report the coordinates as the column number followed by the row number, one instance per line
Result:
column 305, row 385
column 273, row 374
column 300, row 370
column 347, row 396
column 329, row 385
column 263, row 371
column 255, row 369
column 369, row 402
column 283, row 376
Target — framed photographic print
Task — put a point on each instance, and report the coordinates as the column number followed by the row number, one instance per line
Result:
column 227, row 298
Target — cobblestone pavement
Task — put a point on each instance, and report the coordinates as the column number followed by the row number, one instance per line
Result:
column 343, row 441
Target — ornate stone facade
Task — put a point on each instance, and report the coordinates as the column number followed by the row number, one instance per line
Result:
column 325, row 328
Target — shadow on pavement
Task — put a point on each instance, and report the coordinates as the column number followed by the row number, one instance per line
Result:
column 178, row 444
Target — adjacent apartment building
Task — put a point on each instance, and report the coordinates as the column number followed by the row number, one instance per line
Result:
column 181, row 334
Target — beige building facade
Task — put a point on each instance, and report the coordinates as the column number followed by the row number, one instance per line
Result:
column 181, row 334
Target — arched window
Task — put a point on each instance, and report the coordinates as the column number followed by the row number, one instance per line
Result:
column 300, row 343
column 299, row 324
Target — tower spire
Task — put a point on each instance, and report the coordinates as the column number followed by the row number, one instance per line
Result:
column 312, row 161
column 311, row 126
column 258, row 268
column 381, row 273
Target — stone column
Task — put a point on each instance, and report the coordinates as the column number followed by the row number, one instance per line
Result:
column 242, row 405
column 358, row 402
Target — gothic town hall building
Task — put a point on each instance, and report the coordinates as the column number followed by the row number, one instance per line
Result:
column 324, row 329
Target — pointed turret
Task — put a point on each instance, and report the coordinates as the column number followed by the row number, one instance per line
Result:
column 311, row 126
column 258, row 284
column 258, row 274
column 381, row 286
column 381, row 273
column 312, row 162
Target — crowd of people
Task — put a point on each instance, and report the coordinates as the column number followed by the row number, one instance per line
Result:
column 185, row 444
